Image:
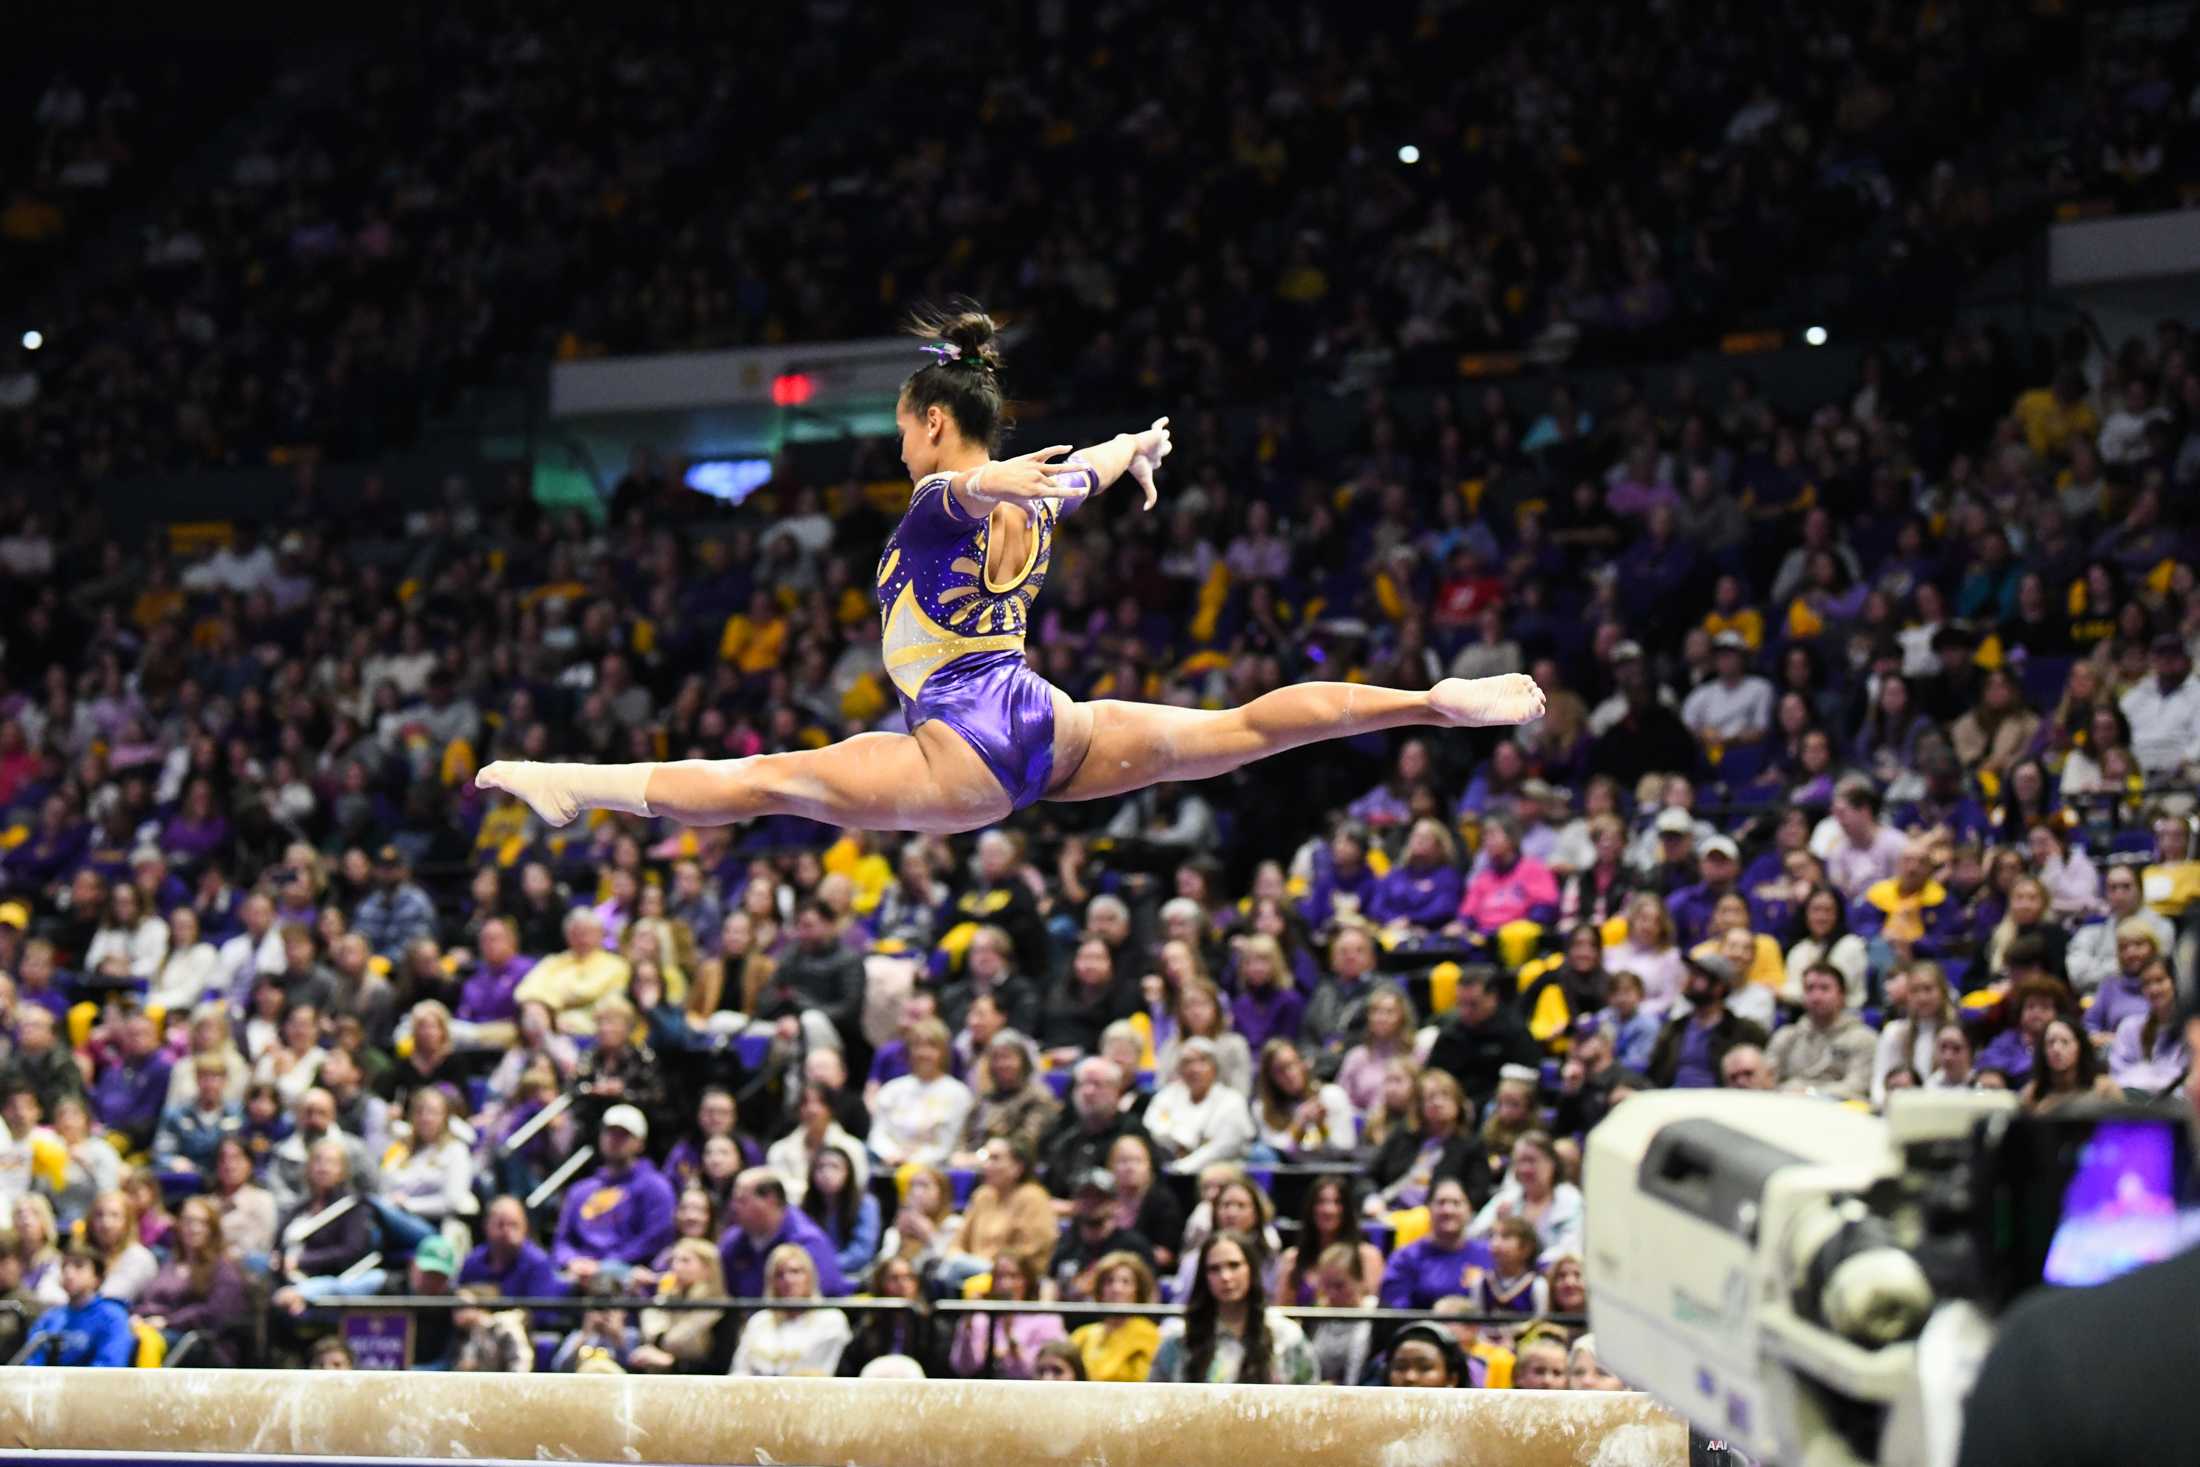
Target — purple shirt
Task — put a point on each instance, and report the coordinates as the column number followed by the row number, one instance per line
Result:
column 530, row 1274
column 1262, row 1014
column 1424, row 898
column 890, row 1062
column 1421, row 1273
column 2118, row 999
column 1694, row 1071
column 628, row 1218
column 486, row 996
column 744, row 1258
column 2009, row 1052
column 129, row 1094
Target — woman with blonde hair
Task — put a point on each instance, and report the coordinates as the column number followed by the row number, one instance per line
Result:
column 1294, row 1115
column 1421, row 893
column 200, row 1287
column 1441, row 1144
column 1198, row 1013
column 38, row 1240
column 1649, row 951
column 110, row 1230
column 1269, row 1005
column 1387, row 1037
column 1396, row 1110
column 430, row 1174
column 1119, row 1347
column 680, row 1339
column 1907, row 1042
column 434, row 1059
column 791, row 1341
column 927, row 1227
column 212, row 1033
column 2030, row 913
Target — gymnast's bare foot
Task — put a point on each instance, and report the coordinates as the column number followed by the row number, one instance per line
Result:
column 538, row 784
column 1486, row 702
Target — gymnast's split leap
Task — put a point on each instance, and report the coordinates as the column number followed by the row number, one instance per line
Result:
column 987, row 735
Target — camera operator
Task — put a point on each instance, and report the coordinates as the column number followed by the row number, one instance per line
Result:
column 2098, row 1375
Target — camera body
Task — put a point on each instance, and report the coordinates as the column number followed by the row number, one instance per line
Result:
column 1816, row 1284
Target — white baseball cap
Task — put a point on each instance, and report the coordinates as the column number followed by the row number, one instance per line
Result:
column 629, row 1119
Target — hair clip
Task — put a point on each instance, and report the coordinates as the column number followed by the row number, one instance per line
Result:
column 946, row 351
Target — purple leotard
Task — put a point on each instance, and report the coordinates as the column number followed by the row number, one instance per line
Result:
column 954, row 641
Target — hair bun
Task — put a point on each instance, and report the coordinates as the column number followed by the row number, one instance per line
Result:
column 968, row 329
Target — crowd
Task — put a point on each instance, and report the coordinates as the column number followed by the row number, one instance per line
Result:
column 1598, row 180
column 1867, row 760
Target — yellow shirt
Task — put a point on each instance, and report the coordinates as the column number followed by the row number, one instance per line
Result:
column 1748, row 624
column 1124, row 1353
column 572, row 987
column 1766, row 967
column 2050, row 424
column 753, row 646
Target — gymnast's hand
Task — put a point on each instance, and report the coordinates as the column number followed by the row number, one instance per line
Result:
column 1148, row 449
column 1023, row 478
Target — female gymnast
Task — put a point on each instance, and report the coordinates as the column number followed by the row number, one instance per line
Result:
column 987, row 735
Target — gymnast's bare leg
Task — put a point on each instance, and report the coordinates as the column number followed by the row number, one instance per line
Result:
column 1129, row 746
column 930, row 781
column 934, row 782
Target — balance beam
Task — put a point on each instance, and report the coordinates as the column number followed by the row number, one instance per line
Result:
column 823, row 1422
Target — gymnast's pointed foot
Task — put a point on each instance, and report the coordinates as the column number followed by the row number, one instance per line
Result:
column 558, row 792
column 1487, row 702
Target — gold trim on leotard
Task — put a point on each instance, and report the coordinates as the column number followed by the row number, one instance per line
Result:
column 915, row 646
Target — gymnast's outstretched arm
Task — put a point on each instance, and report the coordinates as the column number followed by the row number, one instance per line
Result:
column 1087, row 472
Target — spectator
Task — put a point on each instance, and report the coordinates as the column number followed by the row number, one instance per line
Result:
column 1692, row 1048
column 2034, row 1000
column 792, row 1341
column 818, row 983
column 793, row 1155
column 620, row 1070
column 1119, row 1347
column 2065, row 1069
column 292, row 1064
column 1732, row 707
column 1088, row 999
column 918, row 1117
column 1006, row 1346
column 40, row 1065
column 2123, row 995
column 1440, row 1143
column 988, row 969
column 1423, row 891
column 1141, row 1205
column 1481, row 1038
column 1510, row 886
column 1425, row 1357
column 880, row 1334
column 1198, row 1013
column 1292, row 1115
column 508, row 1263
column 1826, row 940
column 430, row 1173
column 1388, row 1032
column 1510, row 1285
column 1830, row 1051
column 487, row 1001
column 1426, row 1270
column 847, row 1215
column 1337, row 1013
column 200, row 1289
column 573, row 982
column 762, row 1224
column 1535, row 1192
column 132, row 1089
column 359, row 1112
column 1862, row 851
column 247, row 1209
column 2149, row 1053
column 396, row 912
column 358, row 992
column 1649, row 951
column 621, row 1214
column 327, row 1232
column 2164, row 712
column 91, row 1328
column 2093, row 954
column 1227, row 1332
column 189, row 1134
column 1746, row 1067
column 1906, row 1043
column 1909, row 913
column 682, row 1339
column 1195, row 1120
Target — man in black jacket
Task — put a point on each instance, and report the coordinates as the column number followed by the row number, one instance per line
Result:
column 1692, row 1049
column 1089, row 1128
column 989, row 968
column 1482, row 1037
column 819, row 975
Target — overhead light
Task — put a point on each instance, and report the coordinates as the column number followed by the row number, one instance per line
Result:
column 1814, row 336
column 1409, row 154
column 33, row 340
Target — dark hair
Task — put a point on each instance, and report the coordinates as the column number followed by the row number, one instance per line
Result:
column 836, row 1215
column 92, row 1259
column 2150, row 1028
column 1200, row 1312
column 1065, row 1352
column 1311, row 1241
column 1801, row 927
column 2083, row 1073
column 1445, row 1344
column 968, row 387
column 811, row 906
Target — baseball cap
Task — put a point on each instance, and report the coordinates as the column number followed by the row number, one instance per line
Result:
column 2168, row 644
column 15, row 914
column 146, row 852
column 1100, row 1180
column 1720, row 845
column 1626, row 652
column 629, row 1119
column 1730, row 642
column 1672, row 821
column 436, row 1255
column 389, row 856
column 1714, row 967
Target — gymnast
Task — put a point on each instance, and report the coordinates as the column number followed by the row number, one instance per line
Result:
column 987, row 735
